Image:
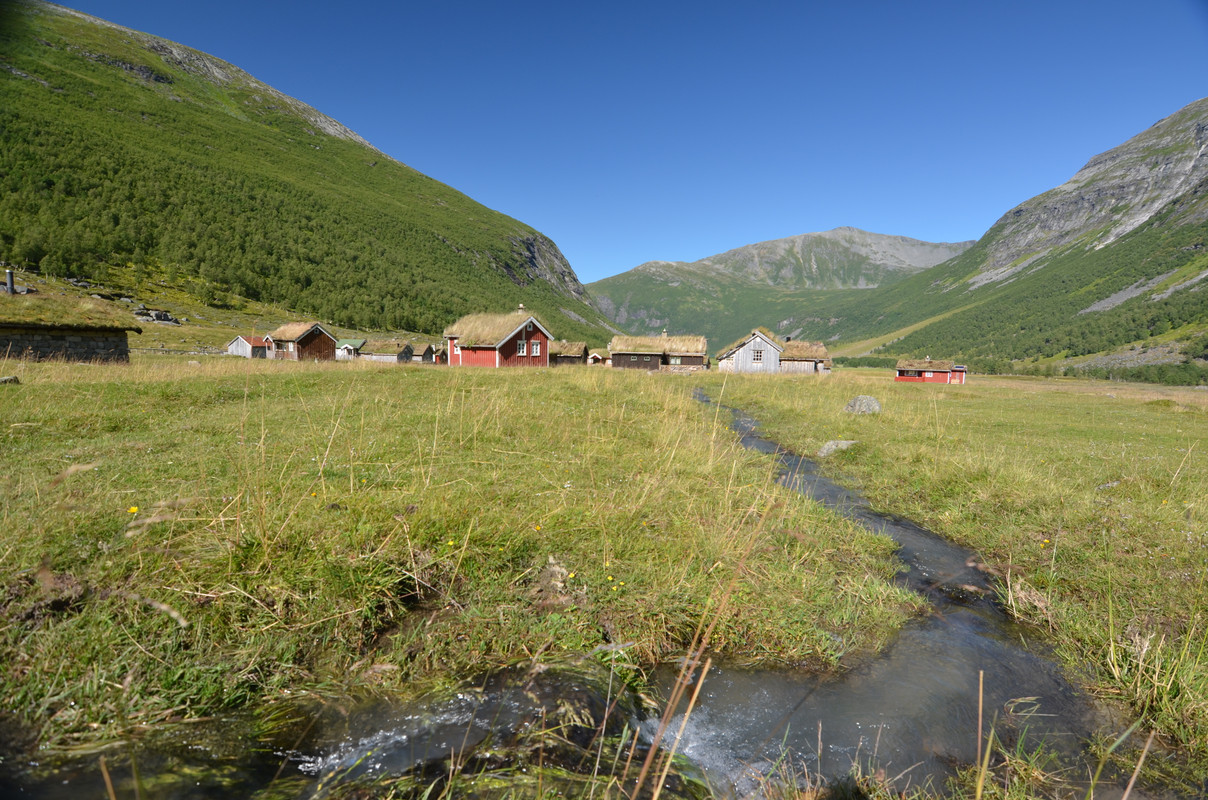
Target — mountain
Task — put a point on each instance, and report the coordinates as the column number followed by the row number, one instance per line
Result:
column 1113, row 260
column 118, row 148
column 735, row 284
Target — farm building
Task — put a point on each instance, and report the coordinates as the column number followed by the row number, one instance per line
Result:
column 597, row 356
column 759, row 351
column 301, row 341
column 924, row 370
column 517, row 339
column 562, row 352
column 805, row 358
column 349, row 349
column 659, row 353
column 247, row 347
column 40, row 328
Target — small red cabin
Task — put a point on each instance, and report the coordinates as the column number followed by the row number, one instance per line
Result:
column 924, row 370
column 498, row 340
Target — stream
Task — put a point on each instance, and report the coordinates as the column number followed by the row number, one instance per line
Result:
column 908, row 717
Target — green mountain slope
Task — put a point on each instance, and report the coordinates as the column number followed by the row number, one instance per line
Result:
column 117, row 147
column 726, row 295
column 1112, row 259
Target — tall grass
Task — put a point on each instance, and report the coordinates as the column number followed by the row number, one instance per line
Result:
column 181, row 539
column 1086, row 497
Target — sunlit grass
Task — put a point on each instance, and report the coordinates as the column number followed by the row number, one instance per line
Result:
column 1086, row 497
column 183, row 538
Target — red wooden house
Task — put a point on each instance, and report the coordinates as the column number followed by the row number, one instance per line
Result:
column 924, row 370
column 517, row 339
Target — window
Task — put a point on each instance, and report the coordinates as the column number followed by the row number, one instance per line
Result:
column 645, row 358
column 757, row 356
column 529, row 327
column 673, row 359
column 536, row 351
column 927, row 374
column 457, row 349
column 521, row 348
column 633, row 358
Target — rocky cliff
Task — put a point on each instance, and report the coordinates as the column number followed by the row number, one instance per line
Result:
column 1114, row 194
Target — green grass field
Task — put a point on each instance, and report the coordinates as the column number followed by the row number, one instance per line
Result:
column 206, row 537
column 1088, row 498
column 181, row 539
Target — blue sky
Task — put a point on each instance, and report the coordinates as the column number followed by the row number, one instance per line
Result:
column 633, row 131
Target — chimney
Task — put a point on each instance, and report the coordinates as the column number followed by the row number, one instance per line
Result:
column 521, row 309
column 664, row 333
column 9, row 286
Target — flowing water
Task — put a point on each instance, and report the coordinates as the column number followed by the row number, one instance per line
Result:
column 911, row 714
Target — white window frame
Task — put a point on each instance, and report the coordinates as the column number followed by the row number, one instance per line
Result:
column 521, row 347
column 535, row 350
column 757, row 356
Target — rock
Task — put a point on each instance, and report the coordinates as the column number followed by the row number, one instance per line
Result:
column 864, row 404
column 10, row 379
column 834, row 446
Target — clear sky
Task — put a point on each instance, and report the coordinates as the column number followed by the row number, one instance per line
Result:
column 629, row 131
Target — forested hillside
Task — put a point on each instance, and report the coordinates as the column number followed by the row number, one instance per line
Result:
column 117, row 147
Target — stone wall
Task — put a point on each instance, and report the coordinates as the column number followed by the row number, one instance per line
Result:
column 40, row 343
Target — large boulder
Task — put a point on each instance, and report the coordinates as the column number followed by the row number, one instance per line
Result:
column 863, row 404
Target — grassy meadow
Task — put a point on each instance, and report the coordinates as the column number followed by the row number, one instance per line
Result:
column 180, row 539
column 1088, row 499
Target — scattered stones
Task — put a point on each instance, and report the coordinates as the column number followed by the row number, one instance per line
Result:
column 1108, row 485
column 834, row 446
column 863, row 404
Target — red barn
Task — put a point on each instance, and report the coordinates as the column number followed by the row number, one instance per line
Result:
column 498, row 340
column 924, row 370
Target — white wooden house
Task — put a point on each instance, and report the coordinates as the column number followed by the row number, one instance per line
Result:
column 759, row 351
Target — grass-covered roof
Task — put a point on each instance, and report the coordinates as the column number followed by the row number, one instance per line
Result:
column 477, row 330
column 696, row 345
column 804, row 351
column 62, row 312
column 925, row 364
column 293, row 331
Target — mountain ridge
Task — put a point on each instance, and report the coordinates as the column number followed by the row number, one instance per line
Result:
column 118, row 147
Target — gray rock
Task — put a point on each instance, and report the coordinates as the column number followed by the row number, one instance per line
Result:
column 864, row 404
column 834, row 446
column 10, row 379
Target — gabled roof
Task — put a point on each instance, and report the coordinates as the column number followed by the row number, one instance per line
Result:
column 254, row 341
column 490, row 330
column 293, row 331
column 565, row 348
column 804, row 351
column 924, row 364
column 355, row 344
column 758, row 333
column 673, row 345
